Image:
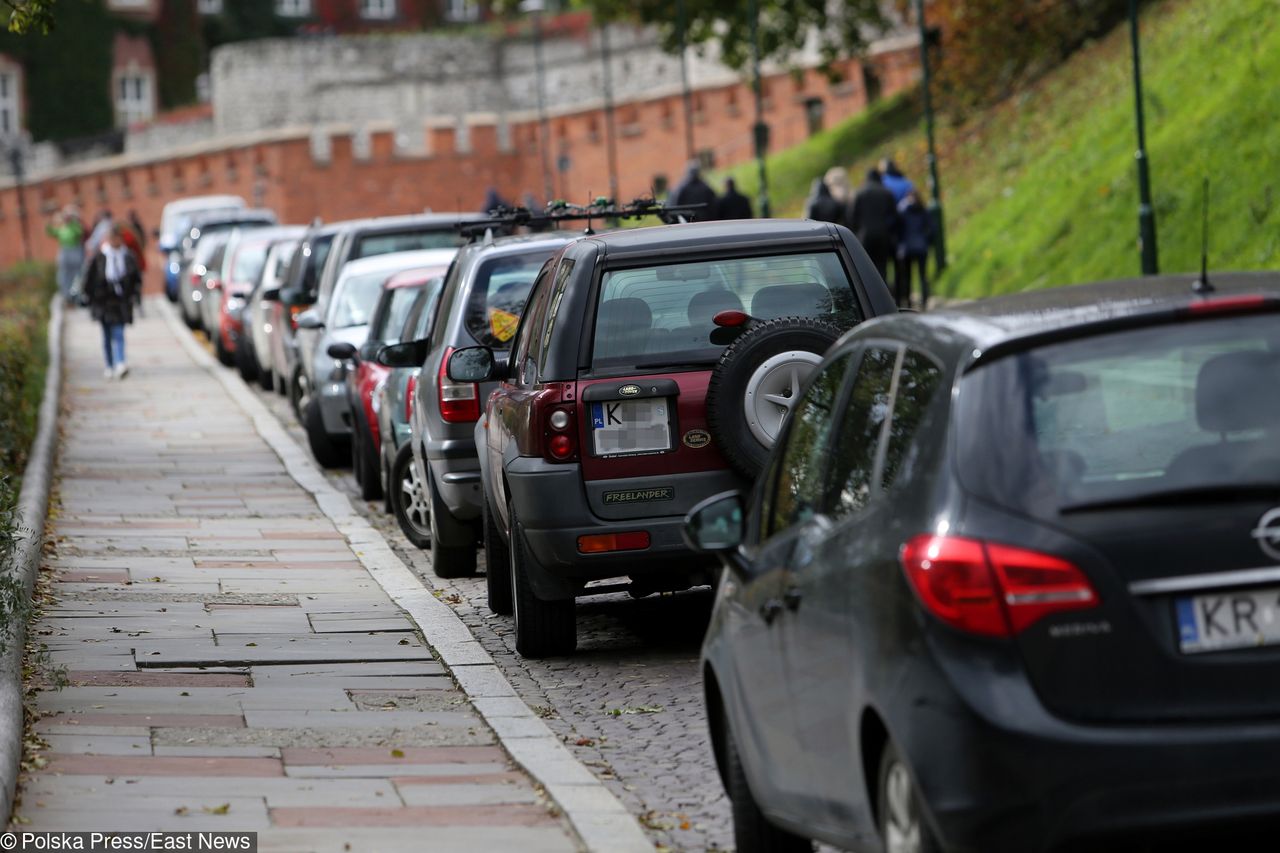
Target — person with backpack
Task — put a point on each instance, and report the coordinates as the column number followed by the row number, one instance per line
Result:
column 110, row 285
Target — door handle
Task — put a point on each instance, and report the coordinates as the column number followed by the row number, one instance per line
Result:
column 770, row 610
column 792, row 597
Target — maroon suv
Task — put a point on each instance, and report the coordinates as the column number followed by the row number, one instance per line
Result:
column 652, row 368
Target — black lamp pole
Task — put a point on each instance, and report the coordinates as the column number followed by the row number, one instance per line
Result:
column 1146, row 214
column 611, row 142
column 935, row 186
column 760, row 130
column 685, row 94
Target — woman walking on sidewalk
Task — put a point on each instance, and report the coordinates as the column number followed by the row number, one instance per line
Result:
column 111, row 283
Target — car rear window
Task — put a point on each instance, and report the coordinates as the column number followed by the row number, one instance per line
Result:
column 498, row 294
column 400, row 300
column 405, row 241
column 1123, row 416
column 661, row 315
column 248, row 262
column 356, row 299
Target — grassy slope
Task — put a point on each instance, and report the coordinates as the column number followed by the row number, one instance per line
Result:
column 1041, row 190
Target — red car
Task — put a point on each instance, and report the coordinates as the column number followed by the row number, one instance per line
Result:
column 387, row 321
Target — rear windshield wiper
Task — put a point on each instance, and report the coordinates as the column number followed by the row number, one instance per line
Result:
column 1175, row 497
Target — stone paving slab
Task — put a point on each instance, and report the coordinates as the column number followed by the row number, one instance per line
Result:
column 231, row 662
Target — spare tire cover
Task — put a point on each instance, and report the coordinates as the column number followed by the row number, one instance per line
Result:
column 758, row 380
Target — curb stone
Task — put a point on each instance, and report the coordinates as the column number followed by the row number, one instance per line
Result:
column 601, row 821
column 33, row 507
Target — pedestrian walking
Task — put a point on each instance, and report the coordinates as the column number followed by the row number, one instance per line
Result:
column 873, row 218
column 110, row 284
column 733, row 204
column 893, row 179
column 821, row 205
column 693, row 190
column 98, row 236
column 913, row 249
column 138, row 230
column 68, row 230
column 837, row 180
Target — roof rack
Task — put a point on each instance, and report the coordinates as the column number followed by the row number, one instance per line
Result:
column 505, row 219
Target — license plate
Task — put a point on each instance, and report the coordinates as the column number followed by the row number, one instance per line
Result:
column 1228, row 620
column 630, row 426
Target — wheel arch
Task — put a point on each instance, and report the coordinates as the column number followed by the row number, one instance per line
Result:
column 714, row 702
column 873, row 737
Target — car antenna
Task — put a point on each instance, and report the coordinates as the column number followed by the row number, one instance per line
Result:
column 1201, row 284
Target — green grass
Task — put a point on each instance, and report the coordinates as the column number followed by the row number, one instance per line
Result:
column 1041, row 190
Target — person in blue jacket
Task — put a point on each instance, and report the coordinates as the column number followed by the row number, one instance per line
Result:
column 916, row 236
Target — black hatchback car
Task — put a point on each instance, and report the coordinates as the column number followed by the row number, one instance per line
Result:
column 1011, row 581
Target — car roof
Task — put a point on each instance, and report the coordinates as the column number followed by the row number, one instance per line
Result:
column 989, row 326
column 201, row 202
column 519, row 244
column 709, row 237
column 393, row 262
column 243, row 214
column 415, row 276
column 270, row 233
column 444, row 222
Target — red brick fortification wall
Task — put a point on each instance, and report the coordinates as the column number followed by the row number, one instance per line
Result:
column 300, row 180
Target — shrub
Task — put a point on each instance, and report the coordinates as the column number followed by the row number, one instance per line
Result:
column 25, row 292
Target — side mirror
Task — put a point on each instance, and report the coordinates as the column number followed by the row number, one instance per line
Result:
column 715, row 526
column 310, row 319
column 471, row 364
column 342, row 351
column 271, row 294
column 407, row 354
column 369, row 350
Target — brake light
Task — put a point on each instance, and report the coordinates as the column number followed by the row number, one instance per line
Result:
column 459, row 401
column 601, row 543
column 294, row 311
column 409, row 391
column 559, row 435
column 731, row 318
column 990, row 589
column 1227, row 304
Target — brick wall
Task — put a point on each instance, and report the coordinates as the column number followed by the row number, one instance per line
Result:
column 303, row 172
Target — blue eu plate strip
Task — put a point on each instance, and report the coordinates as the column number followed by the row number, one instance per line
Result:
column 1187, row 630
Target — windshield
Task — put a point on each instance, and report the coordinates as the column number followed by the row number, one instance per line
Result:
column 498, row 295
column 663, row 314
column 248, row 262
column 1113, row 418
column 357, row 296
column 406, row 241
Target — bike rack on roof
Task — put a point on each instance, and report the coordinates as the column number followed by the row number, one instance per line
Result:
column 504, row 220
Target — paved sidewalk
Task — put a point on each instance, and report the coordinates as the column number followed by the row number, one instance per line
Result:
column 232, row 663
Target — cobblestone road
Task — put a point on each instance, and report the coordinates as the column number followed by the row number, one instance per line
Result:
column 628, row 703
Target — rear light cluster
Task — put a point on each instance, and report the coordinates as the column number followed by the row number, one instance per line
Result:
column 600, row 543
column 294, row 311
column 989, row 589
column 459, row 401
column 409, row 390
column 559, row 433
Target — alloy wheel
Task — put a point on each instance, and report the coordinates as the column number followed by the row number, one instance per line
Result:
column 902, row 831
column 413, row 498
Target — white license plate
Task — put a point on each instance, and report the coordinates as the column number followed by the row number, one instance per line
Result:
column 630, row 426
column 1228, row 620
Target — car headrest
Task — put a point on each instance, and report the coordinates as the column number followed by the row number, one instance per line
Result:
column 1239, row 391
column 624, row 314
column 803, row 299
column 707, row 304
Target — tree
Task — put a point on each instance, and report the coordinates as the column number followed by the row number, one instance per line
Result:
column 785, row 26
column 28, row 15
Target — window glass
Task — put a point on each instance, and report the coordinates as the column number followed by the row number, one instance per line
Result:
column 528, row 335
column 498, row 294
column 399, row 301
column 917, row 381
column 417, row 326
column 805, row 463
column 405, row 241
column 248, row 263
column 557, row 296
column 663, row 314
column 1117, row 416
column 357, row 297
column 854, row 460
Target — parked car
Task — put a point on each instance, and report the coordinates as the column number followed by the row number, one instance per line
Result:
column 484, row 294
column 253, row 353
column 175, row 222
column 206, row 258
column 405, row 493
column 345, row 319
column 221, row 308
column 297, row 294
column 398, row 296
column 999, row 588
column 201, row 227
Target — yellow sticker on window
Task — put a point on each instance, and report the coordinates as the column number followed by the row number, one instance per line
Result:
column 503, row 324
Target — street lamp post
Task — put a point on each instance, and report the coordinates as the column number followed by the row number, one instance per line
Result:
column 544, row 128
column 611, row 142
column 935, row 187
column 1146, row 214
column 685, row 94
column 761, row 130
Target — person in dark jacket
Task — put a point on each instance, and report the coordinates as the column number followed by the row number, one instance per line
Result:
column 873, row 218
column 821, row 205
column 110, row 285
column 693, row 190
column 913, row 249
column 733, row 204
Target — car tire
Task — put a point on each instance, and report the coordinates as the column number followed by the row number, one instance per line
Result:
column 903, row 828
column 266, row 378
column 497, row 573
column 225, row 356
column 409, row 502
column 387, row 482
column 246, row 362
column 364, row 459
column 543, row 628
column 752, row 831
column 327, row 451
column 782, row 353
column 299, row 393
column 453, row 543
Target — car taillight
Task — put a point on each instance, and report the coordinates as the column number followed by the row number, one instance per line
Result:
column 600, row 543
column 990, row 589
column 559, row 434
column 459, row 401
column 409, row 391
column 294, row 311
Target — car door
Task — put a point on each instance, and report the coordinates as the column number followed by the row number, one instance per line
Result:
column 796, row 486
column 840, row 559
